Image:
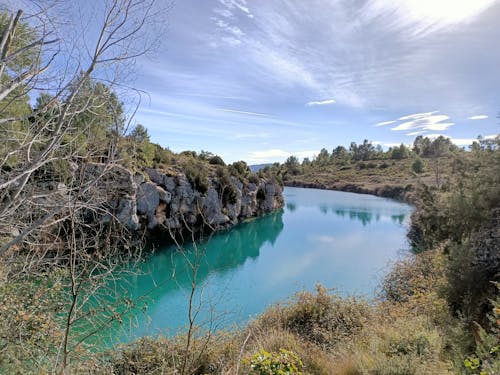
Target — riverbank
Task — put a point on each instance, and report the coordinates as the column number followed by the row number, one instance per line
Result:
column 396, row 179
column 398, row 192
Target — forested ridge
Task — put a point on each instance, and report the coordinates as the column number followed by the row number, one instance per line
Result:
column 63, row 146
column 395, row 172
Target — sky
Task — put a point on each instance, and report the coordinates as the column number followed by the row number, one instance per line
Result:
column 260, row 80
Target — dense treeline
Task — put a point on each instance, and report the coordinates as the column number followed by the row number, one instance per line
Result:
column 423, row 147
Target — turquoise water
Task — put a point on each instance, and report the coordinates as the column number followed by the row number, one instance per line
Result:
column 341, row 240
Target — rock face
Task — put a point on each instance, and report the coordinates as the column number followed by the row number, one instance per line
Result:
column 157, row 201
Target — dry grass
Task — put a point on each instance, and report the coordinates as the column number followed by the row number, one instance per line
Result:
column 330, row 334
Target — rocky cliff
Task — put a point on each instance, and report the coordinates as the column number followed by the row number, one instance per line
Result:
column 160, row 200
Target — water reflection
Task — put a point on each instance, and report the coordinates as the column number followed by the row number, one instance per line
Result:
column 268, row 259
column 167, row 276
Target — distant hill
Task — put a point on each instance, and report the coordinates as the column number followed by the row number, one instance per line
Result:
column 257, row 167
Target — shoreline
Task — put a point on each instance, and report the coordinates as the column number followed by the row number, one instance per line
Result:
column 395, row 192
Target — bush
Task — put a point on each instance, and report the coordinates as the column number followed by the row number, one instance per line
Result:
column 384, row 165
column 253, row 178
column 320, row 318
column 239, row 169
column 418, row 166
column 197, row 174
column 162, row 155
column 225, row 186
column 419, row 282
column 486, row 359
column 283, row 363
column 216, row 160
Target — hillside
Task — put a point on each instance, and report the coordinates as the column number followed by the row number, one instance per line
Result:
column 395, row 173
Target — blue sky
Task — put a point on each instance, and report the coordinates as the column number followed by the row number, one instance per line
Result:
column 259, row 80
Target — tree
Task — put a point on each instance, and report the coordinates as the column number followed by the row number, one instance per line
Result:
column 400, row 152
column 323, row 157
column 418, row 165
column 141, row 147
column 65, row 223
column 292, row 165
column 340, row 154
column 438, row 148
column 365, row 151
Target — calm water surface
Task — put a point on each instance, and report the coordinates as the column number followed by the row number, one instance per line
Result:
column 341, row 240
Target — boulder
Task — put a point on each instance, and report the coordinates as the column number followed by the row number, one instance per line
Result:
column 148, row 198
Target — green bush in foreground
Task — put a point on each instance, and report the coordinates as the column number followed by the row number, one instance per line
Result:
column 283, row 363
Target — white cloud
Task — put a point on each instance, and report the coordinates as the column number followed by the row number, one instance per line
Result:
column 268, row 154
column 232, row 41
column 252, row 135
column 417, row 116
column 423, row 121
column 383, row 123
column 422, row 17
column 287, row 69
column 237, row 4
column 321, row 102
column 478, row 117
column 224, row 12
column 243, row 112
column 235, row 30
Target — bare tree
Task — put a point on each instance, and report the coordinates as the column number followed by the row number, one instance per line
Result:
column 59, row 184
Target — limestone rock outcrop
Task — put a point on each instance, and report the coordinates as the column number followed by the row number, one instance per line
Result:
column 156, row 200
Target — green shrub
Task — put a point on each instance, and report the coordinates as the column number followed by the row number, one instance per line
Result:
column 283, row 363
column 321, row 318
column 162, row 155
column 225, row 186
column 486, row 359
column 216, row 160
column 197, row 174
column 418, row 166
column 253, row 178
column 239, row 169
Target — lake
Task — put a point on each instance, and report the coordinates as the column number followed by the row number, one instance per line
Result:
column 341, row 240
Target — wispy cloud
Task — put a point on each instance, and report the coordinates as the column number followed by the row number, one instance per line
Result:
column 235, row 30
column 418, row 123
column 478, row 117
column 223, row 12
column 432, row 122
column 252, row 135
column 321, row 102
column 417, row 116
column 237, row 5
column 248, row 113
column 421, row 17
column 384, row 123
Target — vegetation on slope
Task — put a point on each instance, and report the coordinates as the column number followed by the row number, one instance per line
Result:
column 366, row 168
